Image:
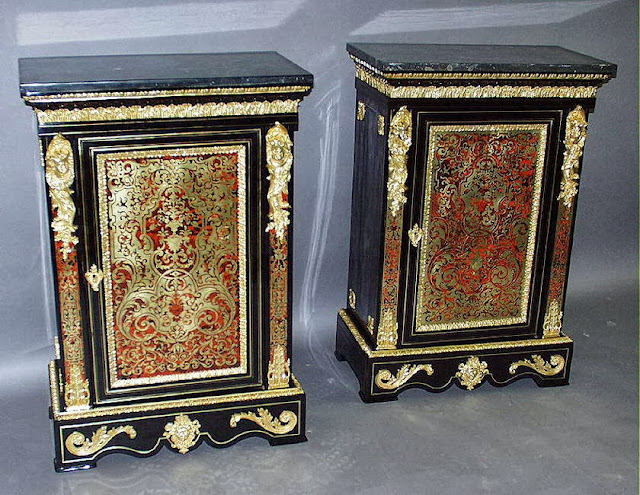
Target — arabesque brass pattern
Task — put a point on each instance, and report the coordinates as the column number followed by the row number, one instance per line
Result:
column 172, row 225
column 575, row 136
column 536, row 363
column 175, row 111
column 480, row 91
column 279, row 162
column 399, row 142
column 79, row 445
column 60, row 175
column 480, row 219
column 388, row 381
column 284, row 423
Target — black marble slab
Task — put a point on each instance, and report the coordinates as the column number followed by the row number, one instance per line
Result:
column 399, row 57
column 59, row 75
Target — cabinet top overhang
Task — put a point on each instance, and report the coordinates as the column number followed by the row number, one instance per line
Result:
column 236, row 73
column 398, row 58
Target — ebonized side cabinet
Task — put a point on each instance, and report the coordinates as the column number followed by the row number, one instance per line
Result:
column 169, row 193
column 466, row 176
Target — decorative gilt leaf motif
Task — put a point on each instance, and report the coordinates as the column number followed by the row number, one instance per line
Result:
column 386, row 380
column 279, row 368
column 179, row 111
column 575, row 136
column 415, row 235
column 59, row 175
column 285, row 423
column 279, row 161
column 497, row 91
column 182, row 433
column 399, row 143
column 94, row 277
column 362, row 110
column 552, row 321
column 387, row 331
column 471, row 372
column 536, row 363
column 79, row 445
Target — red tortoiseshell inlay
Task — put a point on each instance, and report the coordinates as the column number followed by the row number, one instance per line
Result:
column 174, row 288
column 480, row 218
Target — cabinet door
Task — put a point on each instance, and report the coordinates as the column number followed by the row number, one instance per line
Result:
column 480, row 215
column 170, row 219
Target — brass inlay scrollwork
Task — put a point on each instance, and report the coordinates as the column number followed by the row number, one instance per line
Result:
column 279, row 368
column 387, row 336
column 182, row 433
column 480, row 91
column 553, row 367
column 552, row 321
column 173, row 234
column 79, row 445
column 415, row 235
column 284, row 423
column 94, row 277
column 177, row 111
column 386, row 380
column 279, row 161
column 352, row 299
column 471, row 372
column 60, row 175
column 362, row 110
column 575, row 136
column 399, row 143
column 499, row 293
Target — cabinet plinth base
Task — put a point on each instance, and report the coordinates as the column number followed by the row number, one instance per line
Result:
column 142, row 429
column 384, row 374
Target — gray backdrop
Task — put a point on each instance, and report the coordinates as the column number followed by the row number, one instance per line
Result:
column 577, row 439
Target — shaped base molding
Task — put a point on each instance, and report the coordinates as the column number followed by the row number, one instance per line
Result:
column 142, row 429
column 384, row 374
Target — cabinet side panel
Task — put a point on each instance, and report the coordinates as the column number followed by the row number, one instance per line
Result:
column 367, row 212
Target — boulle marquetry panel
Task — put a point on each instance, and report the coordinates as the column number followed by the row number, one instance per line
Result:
column 170, row 194
column 462, row 213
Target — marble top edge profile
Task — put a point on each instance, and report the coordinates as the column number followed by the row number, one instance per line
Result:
column 405, row 57
column 111, row 73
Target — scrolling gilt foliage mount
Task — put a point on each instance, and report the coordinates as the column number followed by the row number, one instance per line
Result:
column 399, row 142
column 279, row 162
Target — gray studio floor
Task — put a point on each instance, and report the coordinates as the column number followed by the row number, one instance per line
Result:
column 580, row 439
